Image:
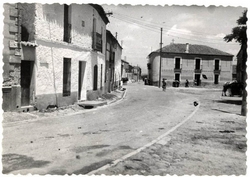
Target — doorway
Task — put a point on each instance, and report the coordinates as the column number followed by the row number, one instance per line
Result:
column 197, row 79
column 95, row 77
column 81, row 71
column 216, row 79
column 26, row 80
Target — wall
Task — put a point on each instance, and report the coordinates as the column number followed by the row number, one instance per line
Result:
column 11, row 59
column 118, row 55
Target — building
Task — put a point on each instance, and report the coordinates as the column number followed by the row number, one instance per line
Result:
column 54, row 54
column 124, row 69
column 136, row 73
column 113, row 63
column 197, row 63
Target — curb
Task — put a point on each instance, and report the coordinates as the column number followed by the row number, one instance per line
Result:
column 119, row 99
column 116, row 101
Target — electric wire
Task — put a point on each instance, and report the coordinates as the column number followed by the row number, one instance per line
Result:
column 156, row 29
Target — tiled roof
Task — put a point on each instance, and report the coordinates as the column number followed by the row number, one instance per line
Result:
column 193, row 49
column 101, row 12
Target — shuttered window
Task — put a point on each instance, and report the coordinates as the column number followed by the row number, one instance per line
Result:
column 67, row 25
column 66, row 76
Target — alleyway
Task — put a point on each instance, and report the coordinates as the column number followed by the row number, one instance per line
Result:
column 85, row 142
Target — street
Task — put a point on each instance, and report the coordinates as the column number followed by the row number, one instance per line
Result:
column 82, row 143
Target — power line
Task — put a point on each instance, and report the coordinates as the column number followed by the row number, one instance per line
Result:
column 160, row 25
column 166, row 30
column 155, row 29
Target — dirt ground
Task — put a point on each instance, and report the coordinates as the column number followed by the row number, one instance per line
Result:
column 212, row 142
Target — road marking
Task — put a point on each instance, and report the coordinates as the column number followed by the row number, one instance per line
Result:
column 115, row 162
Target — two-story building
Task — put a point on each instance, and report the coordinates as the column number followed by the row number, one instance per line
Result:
column 57, row 54
column 198, row 63
column 113, row 63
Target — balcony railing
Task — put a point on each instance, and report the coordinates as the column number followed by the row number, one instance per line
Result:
column 177, row 70
column 197, row 71
column 217, row 71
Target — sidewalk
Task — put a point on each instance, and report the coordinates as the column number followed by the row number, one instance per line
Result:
column 77, row 108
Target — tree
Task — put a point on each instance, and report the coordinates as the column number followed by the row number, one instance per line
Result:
column 239, row 34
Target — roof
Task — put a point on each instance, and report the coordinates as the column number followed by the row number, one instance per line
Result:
column 193, row 49
column 125, row 61
column 109, row 34
column 101, row 12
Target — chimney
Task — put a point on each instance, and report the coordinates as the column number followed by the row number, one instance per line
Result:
column 187, row 48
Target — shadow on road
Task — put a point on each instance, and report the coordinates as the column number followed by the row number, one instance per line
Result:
column 12, row 162
column 224, row 111
column 237, row 102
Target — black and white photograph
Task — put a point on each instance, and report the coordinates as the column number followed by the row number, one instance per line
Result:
column 124, row 88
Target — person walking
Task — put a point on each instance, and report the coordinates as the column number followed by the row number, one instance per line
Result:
column 164, row 85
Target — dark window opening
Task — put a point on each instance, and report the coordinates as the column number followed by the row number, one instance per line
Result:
column 217, row 65
column 66, row 76
column 67, row 25
column 94, row 34
column 177, row 63
column 198, row 64
column 24, row 34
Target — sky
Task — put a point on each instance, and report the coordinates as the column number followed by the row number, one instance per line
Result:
column 138, row 28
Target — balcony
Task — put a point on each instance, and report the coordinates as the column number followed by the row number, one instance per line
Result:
column 217, row 71
column 197, row 71
column 177, row 70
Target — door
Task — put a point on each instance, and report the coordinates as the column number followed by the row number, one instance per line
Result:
column 82, row 65
column 95, row 77
column 216, row 79
column 26, row 77
column 177, row 77
column 197, row 79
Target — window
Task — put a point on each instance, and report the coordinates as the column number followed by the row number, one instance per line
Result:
column 94, row 34
column 67, row 25
column 177, row 63
column 197, row 63
column 96, row 38
column 66, row 76
column 217, row 65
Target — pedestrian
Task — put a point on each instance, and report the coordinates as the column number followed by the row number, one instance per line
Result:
column 187, row 83
column 164, row 85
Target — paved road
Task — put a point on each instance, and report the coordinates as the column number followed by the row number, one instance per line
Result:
column 82, row 143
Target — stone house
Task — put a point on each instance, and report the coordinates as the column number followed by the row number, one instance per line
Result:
column 56, row 54
column 199, row 63
column 113, row 63
column 124, row 69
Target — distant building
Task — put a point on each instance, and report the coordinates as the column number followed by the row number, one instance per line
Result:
column 136, row 73
column 198, row 63
column 124, row 69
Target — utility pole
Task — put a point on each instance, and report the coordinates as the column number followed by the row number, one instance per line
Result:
column 160, row 60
